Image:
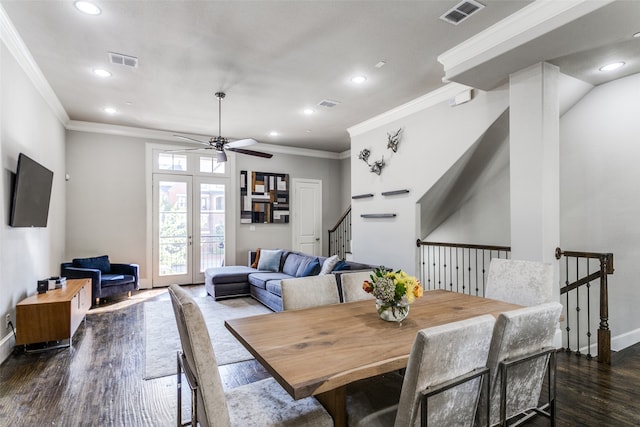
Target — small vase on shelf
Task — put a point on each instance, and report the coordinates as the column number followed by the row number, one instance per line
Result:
column 395, row 311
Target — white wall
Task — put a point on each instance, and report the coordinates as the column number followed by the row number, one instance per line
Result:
column 27, row 125
column 600, row 206
column 345, row 181
column 106, row 198
column 433, row 139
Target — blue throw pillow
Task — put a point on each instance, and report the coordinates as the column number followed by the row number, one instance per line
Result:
column 269, row 260
column 341, row 266
column 312, row 269
column 99, row 263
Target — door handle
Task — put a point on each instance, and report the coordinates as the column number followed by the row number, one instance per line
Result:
column 317, row 239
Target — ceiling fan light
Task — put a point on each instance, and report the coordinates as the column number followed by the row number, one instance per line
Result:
column 221, row 156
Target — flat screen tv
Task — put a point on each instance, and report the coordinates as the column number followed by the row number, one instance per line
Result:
column 31, row 194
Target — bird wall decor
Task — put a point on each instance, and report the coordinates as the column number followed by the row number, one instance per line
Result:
column 377, row 166
column 393, row 140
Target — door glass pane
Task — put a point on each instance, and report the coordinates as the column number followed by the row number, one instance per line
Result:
column 173, row 236
column 211, row 226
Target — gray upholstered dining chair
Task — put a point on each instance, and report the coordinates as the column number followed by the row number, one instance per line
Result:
column 263, row 403
column 522, row 350
column 310, row 291
column 442, row 380
column 520, row 282
column 352, row 286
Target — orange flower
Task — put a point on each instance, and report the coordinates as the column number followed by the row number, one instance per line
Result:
column 418, row 291
column 367, row 286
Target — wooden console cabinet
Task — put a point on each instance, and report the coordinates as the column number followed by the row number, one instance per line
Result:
column 54, row 315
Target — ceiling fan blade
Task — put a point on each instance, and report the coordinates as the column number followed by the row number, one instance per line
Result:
column 250, row 152
column 192, row 139
column 242, row 143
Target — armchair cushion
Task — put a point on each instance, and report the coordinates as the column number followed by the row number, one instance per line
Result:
column 99, row 263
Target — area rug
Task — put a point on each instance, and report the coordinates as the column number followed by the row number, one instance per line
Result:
column 162, row 340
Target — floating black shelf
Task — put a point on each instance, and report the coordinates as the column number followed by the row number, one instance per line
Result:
column 381, row 215
column 362, row 196
column 393, row 193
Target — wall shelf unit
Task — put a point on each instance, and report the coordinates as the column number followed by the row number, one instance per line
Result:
column 362, row 196
column 395, row 192
column 378, row 215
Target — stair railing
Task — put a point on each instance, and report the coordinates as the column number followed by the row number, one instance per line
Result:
column 579, row 272
column 457, row 267
column 340, row 236
column 464, row 268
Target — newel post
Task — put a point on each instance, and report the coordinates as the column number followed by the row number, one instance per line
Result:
column 604, row 333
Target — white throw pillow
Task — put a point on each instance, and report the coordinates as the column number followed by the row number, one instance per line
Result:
column 329, row 263
column 269, row 260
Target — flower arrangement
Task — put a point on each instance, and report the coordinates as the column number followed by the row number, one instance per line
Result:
column 394, row 290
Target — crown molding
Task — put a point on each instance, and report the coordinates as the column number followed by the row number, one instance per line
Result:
column 14, row 43
column 135, row 132
column 528, row 23
column 430, row 99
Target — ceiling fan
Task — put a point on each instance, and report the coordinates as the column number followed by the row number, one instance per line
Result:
column 221, row 144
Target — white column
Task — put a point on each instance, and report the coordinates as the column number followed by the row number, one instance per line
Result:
column 534, row 163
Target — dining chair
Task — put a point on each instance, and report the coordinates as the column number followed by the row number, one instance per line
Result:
column 521, row 352
column 310, row 291
column 263, row 403
column 352, row 286
column 441, row 385
column 520, row 282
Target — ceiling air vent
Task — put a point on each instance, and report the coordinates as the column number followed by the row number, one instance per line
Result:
column 461, row 11
column 328, row 103
column 126, row 60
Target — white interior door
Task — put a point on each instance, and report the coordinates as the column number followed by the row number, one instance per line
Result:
column 307, row 216
column 173, row 229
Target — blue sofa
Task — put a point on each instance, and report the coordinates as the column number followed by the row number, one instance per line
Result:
column 107, row 279
column 265, row 284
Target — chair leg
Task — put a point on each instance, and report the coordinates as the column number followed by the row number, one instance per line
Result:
column 97, row 302
column 179, row 390
column 129, row 294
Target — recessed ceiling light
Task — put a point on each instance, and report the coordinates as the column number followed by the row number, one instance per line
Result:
column 109, row 110
column 101, row 73
column 637, row 35
column 380, row 64
column 358, row 79
column 87, row 7
column 612, row 66
column 308, row 111
column 273, row 133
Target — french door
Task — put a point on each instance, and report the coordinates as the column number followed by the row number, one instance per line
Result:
column 188, row 227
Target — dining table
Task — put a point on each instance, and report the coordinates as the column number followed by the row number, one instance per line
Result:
column 319, row 351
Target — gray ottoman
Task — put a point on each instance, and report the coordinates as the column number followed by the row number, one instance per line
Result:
column 229, row 281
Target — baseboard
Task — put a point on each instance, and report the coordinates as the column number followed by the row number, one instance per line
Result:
column 619, row 342
column 6, row 347
column 625, row 340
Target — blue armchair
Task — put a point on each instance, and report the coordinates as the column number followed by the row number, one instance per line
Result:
column 107, row 279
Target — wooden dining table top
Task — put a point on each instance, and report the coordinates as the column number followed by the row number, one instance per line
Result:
column 320, row 349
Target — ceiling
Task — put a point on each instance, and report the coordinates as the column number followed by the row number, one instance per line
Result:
column 272, row 58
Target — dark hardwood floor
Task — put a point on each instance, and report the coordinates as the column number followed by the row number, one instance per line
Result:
column 99, row 381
